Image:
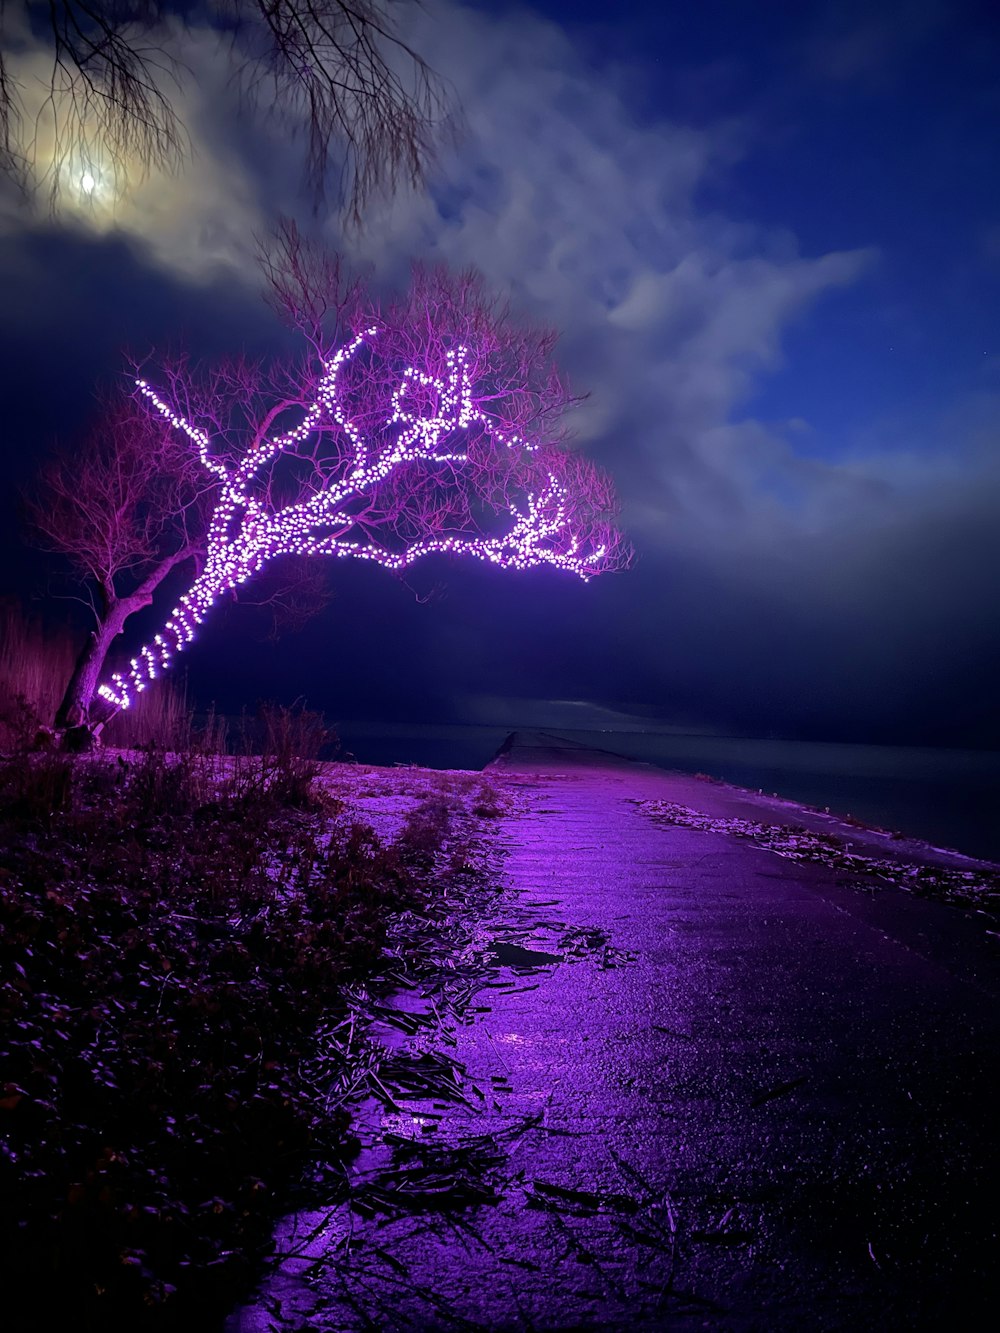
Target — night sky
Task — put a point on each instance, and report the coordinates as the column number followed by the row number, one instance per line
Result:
column 771, row 237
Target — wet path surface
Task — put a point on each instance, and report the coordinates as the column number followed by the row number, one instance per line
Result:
column 700, row 1086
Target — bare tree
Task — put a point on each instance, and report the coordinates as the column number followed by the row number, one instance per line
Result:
column 126, row 509
column 336, row 70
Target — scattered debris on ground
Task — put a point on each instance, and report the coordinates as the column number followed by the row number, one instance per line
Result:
column 977, row 888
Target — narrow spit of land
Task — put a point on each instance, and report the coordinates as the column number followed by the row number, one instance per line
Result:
column 697, row 1085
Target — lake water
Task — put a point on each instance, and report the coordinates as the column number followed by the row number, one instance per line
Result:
column 948, row 797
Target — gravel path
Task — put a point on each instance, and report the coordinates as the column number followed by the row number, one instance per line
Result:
column 701, row 1086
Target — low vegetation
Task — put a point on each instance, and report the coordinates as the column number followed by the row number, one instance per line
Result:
column 172, row 932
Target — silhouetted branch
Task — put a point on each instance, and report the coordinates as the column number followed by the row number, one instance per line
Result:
column 335, row 71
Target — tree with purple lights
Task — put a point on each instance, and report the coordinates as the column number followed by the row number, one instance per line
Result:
column 431, row 429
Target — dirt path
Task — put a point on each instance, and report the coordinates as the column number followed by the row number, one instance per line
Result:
column 700, row 1086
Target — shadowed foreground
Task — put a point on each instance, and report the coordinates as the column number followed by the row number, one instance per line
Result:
column 696, row 1085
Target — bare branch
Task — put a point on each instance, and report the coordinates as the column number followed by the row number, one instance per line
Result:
column 339, row 68
column 308, row 286
column 126, row 499
column 334, row 71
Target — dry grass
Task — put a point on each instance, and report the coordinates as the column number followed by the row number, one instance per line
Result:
column 35, row 664
column 162, row 718
column 37, row 660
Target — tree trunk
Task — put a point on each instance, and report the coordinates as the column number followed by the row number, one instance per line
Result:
column 74, row 711
column 79, row 707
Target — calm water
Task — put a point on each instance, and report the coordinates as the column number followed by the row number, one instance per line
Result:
column 949, row 797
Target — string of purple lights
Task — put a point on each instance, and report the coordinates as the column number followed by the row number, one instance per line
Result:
column 430, row 418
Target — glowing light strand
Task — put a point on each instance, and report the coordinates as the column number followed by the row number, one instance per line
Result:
column 244, row 535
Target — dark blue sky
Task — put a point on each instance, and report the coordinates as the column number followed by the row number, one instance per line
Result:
column 860, row 125
column 771, row 235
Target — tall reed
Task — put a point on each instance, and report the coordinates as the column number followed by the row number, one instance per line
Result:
column 36, row 662
column 161, row 717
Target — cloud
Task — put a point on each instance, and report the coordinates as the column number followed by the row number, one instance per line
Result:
column 593, row 222
column 672, row 311
column 197, row 222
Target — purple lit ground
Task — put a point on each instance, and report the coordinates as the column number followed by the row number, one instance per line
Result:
column 716, row 1089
